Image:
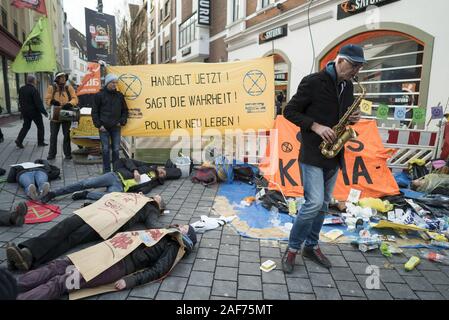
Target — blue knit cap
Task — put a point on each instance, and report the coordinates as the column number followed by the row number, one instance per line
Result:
column 109, row 78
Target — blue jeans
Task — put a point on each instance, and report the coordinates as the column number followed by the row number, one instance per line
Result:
column 109, row 180
column 318, row 188
column 114, row 134
column 38, row 178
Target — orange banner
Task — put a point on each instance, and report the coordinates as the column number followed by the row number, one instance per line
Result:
column 91, row 82
column 365, row 163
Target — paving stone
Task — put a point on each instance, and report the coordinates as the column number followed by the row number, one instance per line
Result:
column 199, row 278
column 207, row 253
column 229, row 230
column 326, row 293
column 444, row 290
column 342, row 274
column 249, row 246
column 350, row 288
column 249, row 268
column 229, row 239
column 275, row 292
column 249, row 295
column 197, row 293
column 226, row 273
column 337, row 261
column 298, row 272
column 224, row 288
column 330, row 249
column 10, row 236
column 249, row 256
column 401, row 270
column 299, row 285
column 322, row 280
column 229, row 249
column 390, row 276
column 366, row 282
column 401, row 291
column 163, row 295
column 378, row 295
column 302, row 296
column 424, row 295
column 270, row 252
column 314, row 267
column 120, row 295
column 274, row 276
column 147, row 291
column 250, row 283
column 174, row 284
column 210, row 243
column 354, row 256
column 204, row 265
column 227, row 261
column 436, row 277
column 419, row 284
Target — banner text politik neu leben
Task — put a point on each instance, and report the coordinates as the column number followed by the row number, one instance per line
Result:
column 163, row 98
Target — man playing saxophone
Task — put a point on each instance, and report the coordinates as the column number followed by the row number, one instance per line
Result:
column 322, row 100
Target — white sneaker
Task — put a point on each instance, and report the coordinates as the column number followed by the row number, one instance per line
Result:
column 32, row 192
column 45, row 189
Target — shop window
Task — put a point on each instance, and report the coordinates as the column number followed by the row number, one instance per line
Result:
column 393, row 73
column 235, row 10
column 187, row 31
column 16, row 29
column 265, row 3
column 167, row 9
column 167, row 51
column 2, row 87
column 13, row 88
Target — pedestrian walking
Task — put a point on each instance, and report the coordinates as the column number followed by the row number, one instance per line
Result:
column 32, row 109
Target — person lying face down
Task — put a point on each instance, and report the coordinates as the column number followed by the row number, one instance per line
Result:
column 72, row 232
column 129, row 176
column 143, row 265
column 432, row 182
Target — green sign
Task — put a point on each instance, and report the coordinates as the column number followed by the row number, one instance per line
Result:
column 419, row 115
column 382, row 111
column 38, row 52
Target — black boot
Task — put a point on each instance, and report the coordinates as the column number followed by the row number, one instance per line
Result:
column 18, row 215
column 21, row 259
column 80, row 195
column 288, row 260
column 316, row 255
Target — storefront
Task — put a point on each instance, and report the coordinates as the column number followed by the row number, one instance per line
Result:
column 405, row 43
column 10, row 82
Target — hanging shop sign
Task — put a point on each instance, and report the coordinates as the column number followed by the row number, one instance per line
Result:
column 273, row 34
column 352, row 7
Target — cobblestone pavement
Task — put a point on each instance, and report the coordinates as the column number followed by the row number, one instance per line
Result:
column 225, row 265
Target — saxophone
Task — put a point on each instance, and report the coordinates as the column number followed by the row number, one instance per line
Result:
column 344, row 134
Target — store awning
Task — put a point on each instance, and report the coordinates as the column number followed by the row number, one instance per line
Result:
column 9, row 46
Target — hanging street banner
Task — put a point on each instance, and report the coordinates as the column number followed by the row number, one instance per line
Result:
column 100, row 37
column 163, row 98
column 91, row 82
column 38, row 52
column 36, row 5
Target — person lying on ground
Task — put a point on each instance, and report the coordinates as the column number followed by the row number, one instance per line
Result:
column 145, row 264
column 8, row 286
column 14, row 217
column 34, row 181
column 130, row 176
column 432, row 183
column 72, row 232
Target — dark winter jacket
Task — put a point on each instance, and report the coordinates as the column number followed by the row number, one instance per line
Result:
column 109, row 109
column 318, row 100
column 30, row 102
column 52, row 171
column 152, row 263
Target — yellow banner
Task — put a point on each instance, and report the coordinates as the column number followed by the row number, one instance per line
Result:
column 187, row 96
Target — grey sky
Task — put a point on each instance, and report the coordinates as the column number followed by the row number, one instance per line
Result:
column 75, row 10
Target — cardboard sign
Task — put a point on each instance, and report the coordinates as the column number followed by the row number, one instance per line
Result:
column 112, row 211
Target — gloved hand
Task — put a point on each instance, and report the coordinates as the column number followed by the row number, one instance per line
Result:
column 53, row 102
column 67, row 106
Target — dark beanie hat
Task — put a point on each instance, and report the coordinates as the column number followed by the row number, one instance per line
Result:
column 8, row 286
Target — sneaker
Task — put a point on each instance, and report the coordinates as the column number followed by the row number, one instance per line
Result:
column 32, row 192
column 19, row 144
column 288, row 260
column 80, row 195
column 45, row 189
column 19, row 258
column 48, row 197
column 18, row 215
column 316, row 255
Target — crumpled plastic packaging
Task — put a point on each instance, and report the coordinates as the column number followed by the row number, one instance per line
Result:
column 379, row 205
column 358, row 212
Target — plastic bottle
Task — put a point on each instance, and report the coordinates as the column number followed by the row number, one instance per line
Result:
column 412, row 263
column 436, row 257
column 292, row 209
column 274, row 216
